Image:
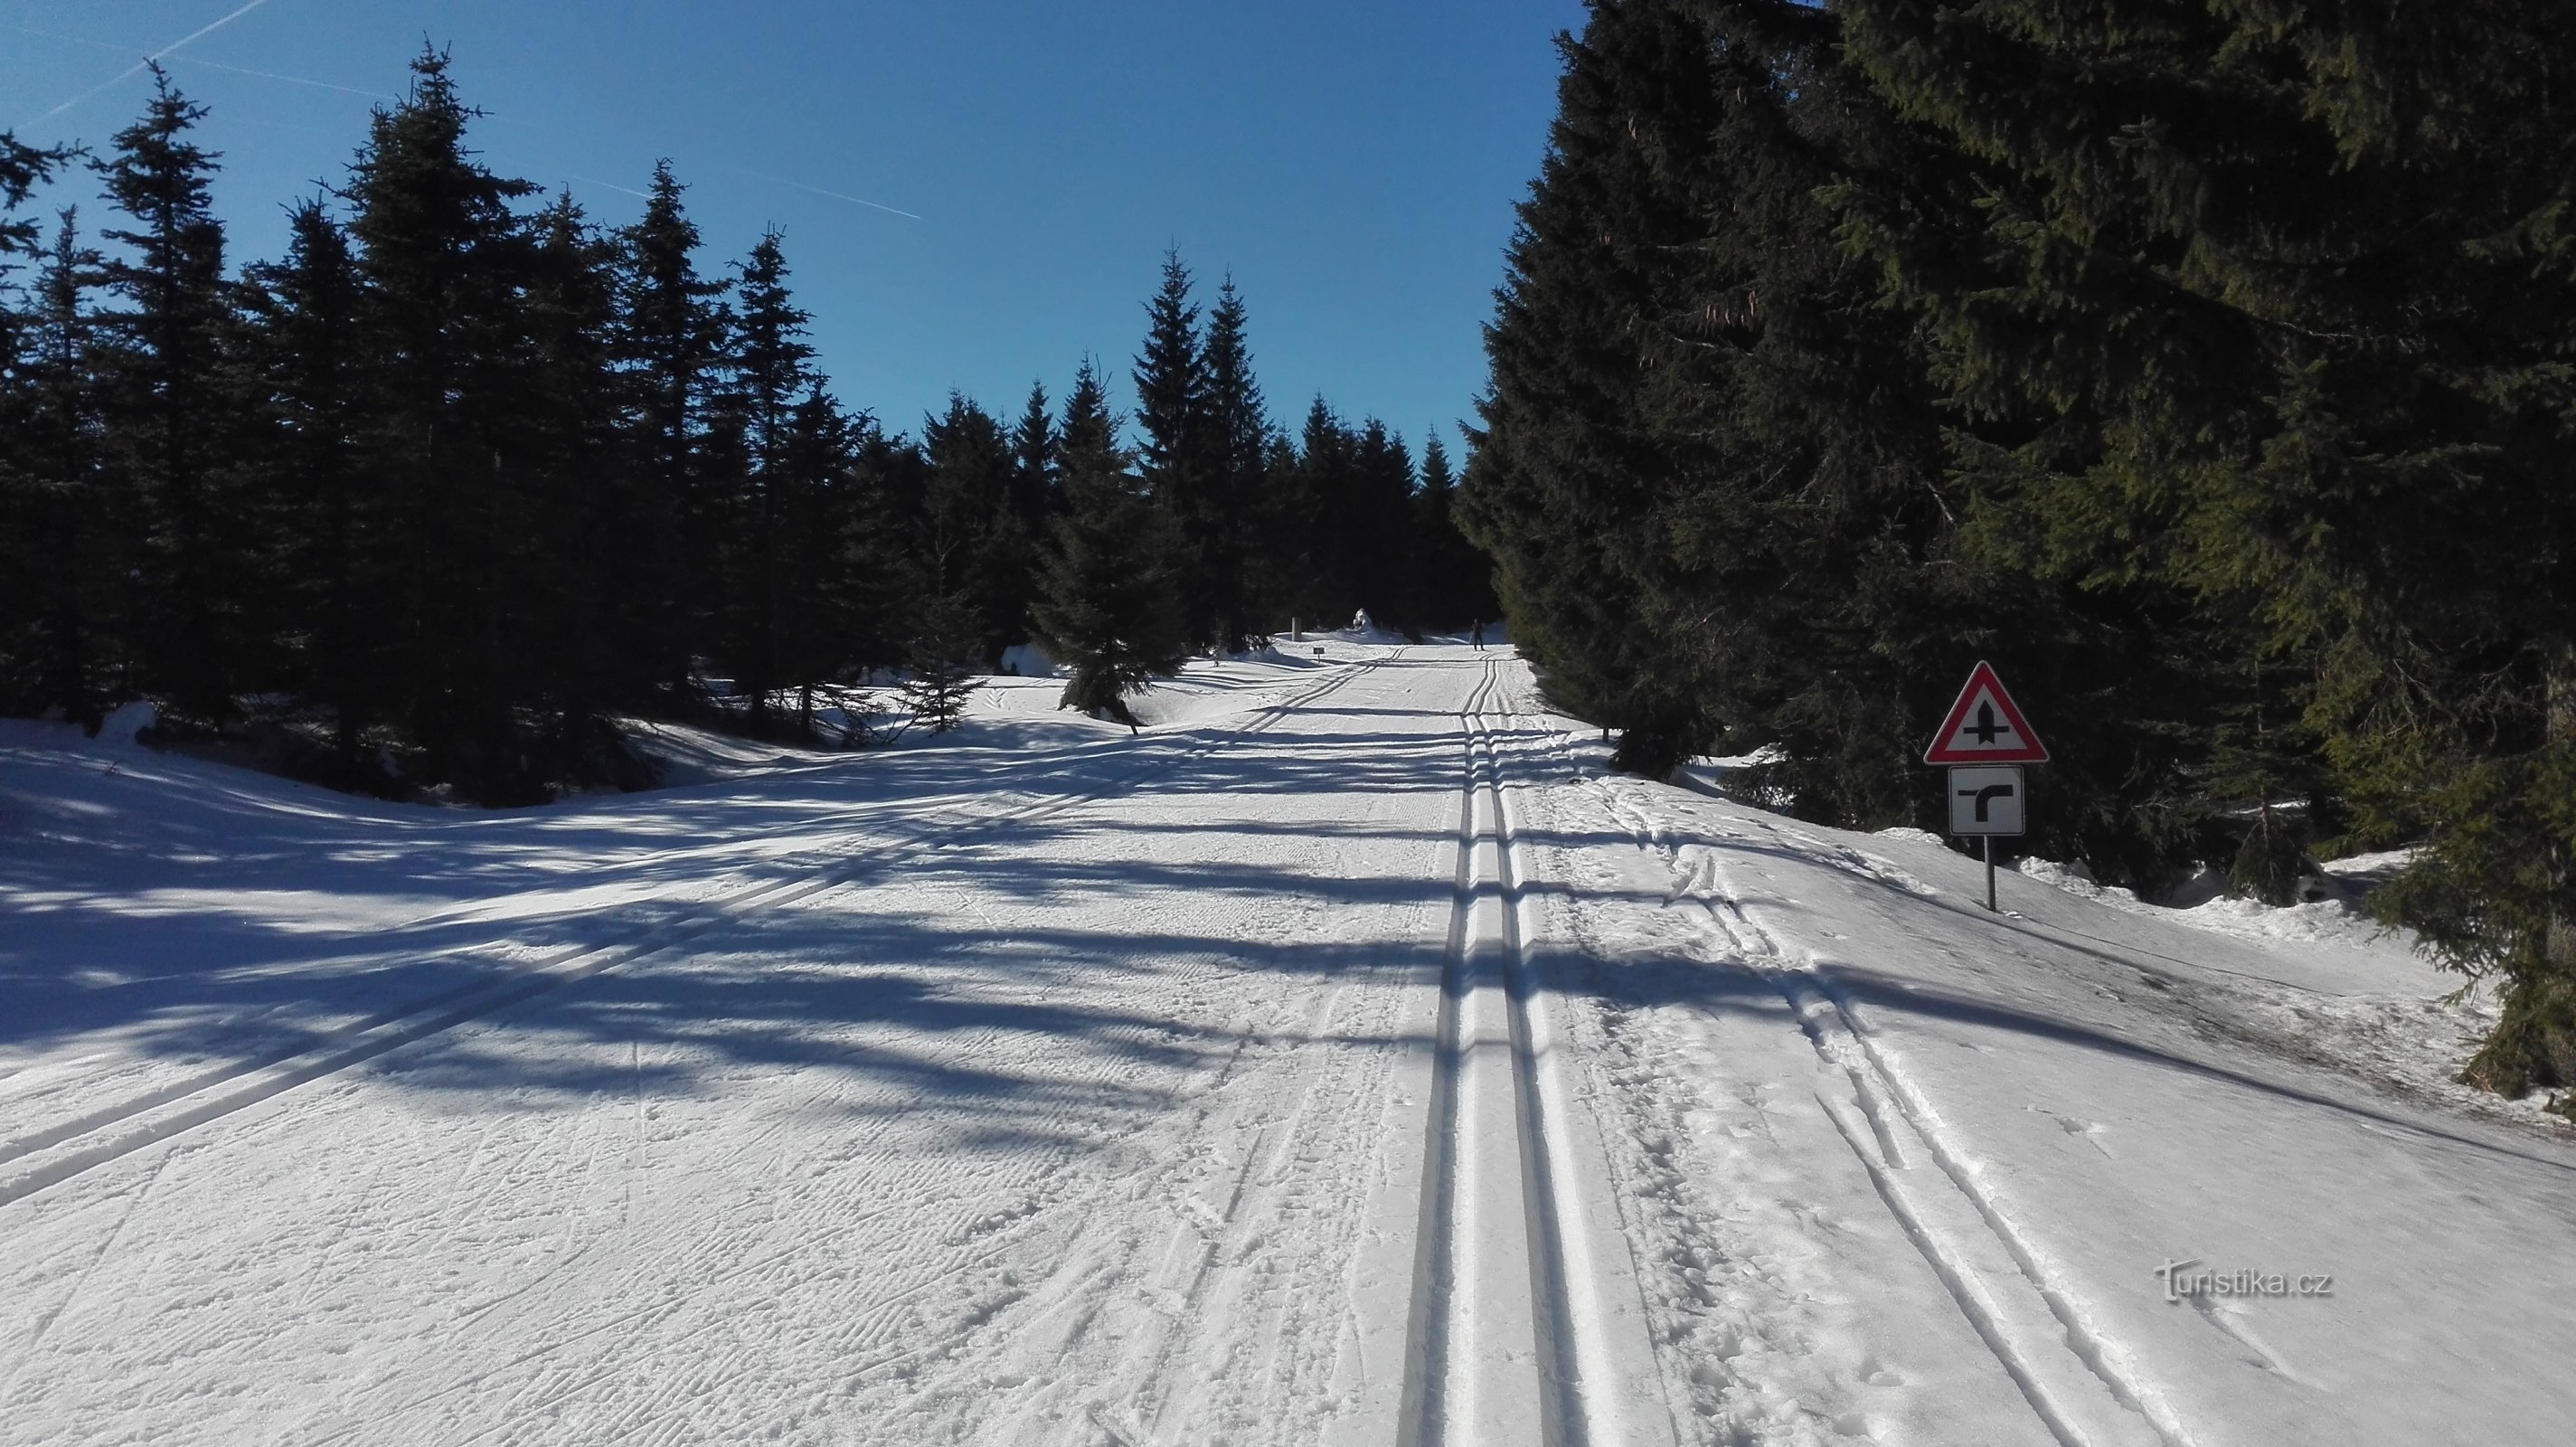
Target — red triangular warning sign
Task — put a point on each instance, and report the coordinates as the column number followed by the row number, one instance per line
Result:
column 1985, row 728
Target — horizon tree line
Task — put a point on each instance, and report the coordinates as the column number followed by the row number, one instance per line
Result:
column 465, row 475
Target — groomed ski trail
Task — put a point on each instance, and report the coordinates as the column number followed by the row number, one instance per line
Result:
column 1516, row 1334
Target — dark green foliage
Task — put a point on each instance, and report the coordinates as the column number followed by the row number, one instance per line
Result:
column 751, row 493
column 1455, row 580
column 326, row 529
column 2281, row 299
column 163, row 378
column 1107, row 609
column 668, row 340
column 1241, row 592
column 440, row 253
column 945, row 658
column 1182, row 459
column 22, row 168
column 1563, row 483
column 2204, row 365
column 974, row 542
column 58, row 650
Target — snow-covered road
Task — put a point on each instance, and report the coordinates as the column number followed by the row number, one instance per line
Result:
column 1067, row 1087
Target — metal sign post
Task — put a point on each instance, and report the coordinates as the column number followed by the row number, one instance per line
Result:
column 1985, row 741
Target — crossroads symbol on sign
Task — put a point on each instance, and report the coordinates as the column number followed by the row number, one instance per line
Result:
column 1985, row 727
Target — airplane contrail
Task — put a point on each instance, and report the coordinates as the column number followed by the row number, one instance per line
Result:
column 289, row 79
column 146, row 63
column 609, row 185
column 835, row 195
column 204, row 64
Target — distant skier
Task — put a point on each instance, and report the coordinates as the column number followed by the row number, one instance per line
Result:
column 1479, row 634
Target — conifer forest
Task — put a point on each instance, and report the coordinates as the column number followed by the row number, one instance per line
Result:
column 466, row 474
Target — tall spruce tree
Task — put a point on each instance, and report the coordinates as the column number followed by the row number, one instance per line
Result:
column 1449, row 574
column 1037, row 490
column 670, row 336
column 1107, row 609
column 1380, row 554
column 22, row 168
column 1317, row 498
column 1244, row 593
column 770, row 369
column 442, row 255
column 329, row 558
column 60, row 652
column 587, row 525
column 1564, row 477
column 167, row 412
column 974, row 553
column 1178, row 457
column 820, row 509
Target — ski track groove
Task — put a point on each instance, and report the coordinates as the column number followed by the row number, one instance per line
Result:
column 1446, row 1338
column 203, row 1098
column 1892, row 1105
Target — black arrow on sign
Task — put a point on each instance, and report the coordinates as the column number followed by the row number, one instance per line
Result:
column 1985, row 797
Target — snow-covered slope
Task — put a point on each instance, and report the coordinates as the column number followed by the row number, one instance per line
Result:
column 1049, row 1084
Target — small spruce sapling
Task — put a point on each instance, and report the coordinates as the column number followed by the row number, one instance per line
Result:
column 942, row 666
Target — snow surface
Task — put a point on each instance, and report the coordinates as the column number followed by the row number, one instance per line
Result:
column 1043, row 1083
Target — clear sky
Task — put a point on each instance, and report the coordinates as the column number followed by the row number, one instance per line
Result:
column 1353, row 163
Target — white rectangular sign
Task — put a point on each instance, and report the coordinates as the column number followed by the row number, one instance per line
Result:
column 1987, row 799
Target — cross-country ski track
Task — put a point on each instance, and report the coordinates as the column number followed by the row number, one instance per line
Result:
column 1347, row 1058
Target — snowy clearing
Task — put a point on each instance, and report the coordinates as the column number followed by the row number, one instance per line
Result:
column 1345, row 1058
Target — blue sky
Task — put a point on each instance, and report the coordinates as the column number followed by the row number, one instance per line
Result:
column 1352, row 164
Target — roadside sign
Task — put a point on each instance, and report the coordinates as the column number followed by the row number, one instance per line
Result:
column 1988, row 799
column 1985, row 727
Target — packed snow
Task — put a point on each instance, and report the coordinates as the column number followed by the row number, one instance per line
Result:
column 1346, row 1056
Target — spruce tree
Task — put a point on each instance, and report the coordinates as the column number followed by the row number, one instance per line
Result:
column 876, row 574
column 941, row 677
column 1244, row 592
column 442, row 255
column 1380, row 555
column 22, row 539
column 61, row 648
column 1107, row 609
column 1562, row 484
column 974, row 552
column 769, row 362
column 1448, row 572
column 1037, row 492
column 167, row 414
column 670, row 333
column 822, row 509
column 330, row 559
column 1178, row 458
column 22, row 169
column 575, row 658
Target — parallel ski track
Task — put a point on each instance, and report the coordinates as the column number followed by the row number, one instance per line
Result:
column 1439, row 1330
column 71, row 1148
column 1892, row 1112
